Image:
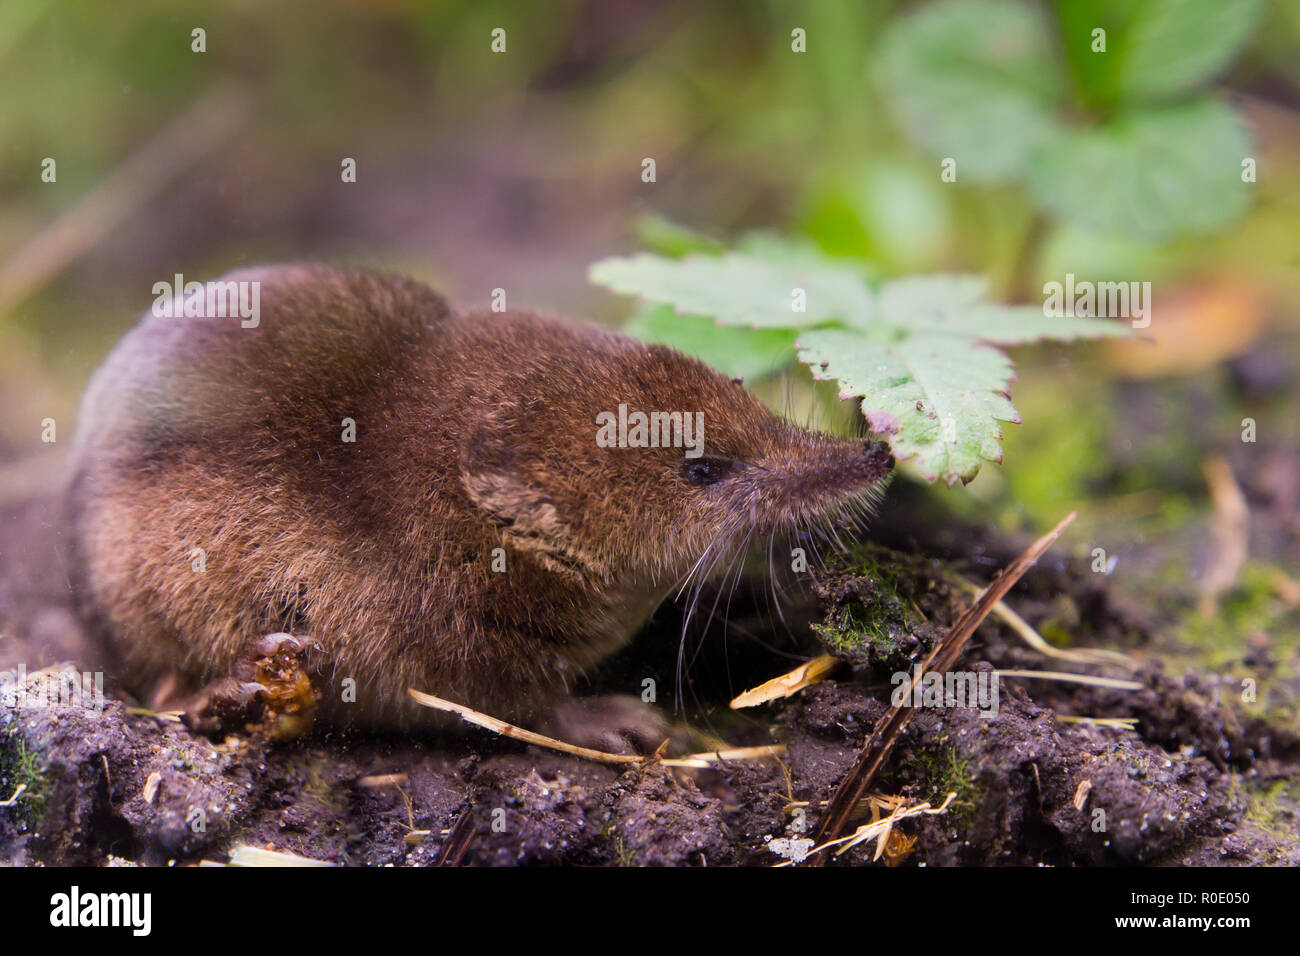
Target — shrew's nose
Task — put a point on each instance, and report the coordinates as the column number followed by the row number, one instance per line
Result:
column 878, row 454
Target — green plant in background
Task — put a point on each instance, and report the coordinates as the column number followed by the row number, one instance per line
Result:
column 1097, row 112
column 1095, row 107
column 918, row 351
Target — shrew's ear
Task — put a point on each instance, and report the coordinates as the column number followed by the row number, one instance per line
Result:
column 497, row 480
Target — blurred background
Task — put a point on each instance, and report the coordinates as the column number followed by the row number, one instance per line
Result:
column 478, row 169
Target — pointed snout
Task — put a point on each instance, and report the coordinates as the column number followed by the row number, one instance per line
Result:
column 820, row 474
column 878, row 458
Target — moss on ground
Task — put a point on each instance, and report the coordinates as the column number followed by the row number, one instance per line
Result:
column 21, row 767
column 1271, row 808
column 1250, row 611
column 872, row 617
column 943, row 770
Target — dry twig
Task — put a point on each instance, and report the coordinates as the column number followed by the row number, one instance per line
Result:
column 498, row 726
column 1112, row 682
column 1029, row 634
column 1230, row 532
column 805, row 675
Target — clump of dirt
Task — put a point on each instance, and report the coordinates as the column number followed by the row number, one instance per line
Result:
column 108, row 784
column 1028, row 789
column 85, row 774
column 877, row 608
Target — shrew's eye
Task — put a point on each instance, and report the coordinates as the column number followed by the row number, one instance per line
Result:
column 705, row 471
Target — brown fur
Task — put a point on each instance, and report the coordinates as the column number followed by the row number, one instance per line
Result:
column 473, row 431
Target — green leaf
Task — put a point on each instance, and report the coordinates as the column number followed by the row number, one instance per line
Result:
column 924, row 376
column 1170, row 46
column 955, row 305
column 1096, row 79
column 981, row 81
column 915, row 351
column 785, row 249
column 975, row 80
column 739, row 289
column 1151, row 173
column 930, row 299
column 937, row 397
column 743, row 353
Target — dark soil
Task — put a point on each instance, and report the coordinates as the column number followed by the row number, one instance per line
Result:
column 1203, row 778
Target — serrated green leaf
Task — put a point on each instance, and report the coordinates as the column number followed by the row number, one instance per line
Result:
column 1151, row 173
column 915, row 352
column 1021, row 324
column 744, row 353
column 954, row 305
column 739, row 289
column 785, row 249
column 974, row 80
column 938, row 397
column 929, row 298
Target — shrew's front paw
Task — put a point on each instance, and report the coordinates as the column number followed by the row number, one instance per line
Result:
column 269, row 692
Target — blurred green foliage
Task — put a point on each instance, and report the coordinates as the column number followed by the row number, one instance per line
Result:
column 1109, row 135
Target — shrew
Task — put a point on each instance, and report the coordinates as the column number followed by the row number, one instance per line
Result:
column 464, row 533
